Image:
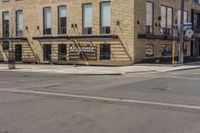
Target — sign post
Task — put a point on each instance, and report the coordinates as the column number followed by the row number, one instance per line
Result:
column 181, row 58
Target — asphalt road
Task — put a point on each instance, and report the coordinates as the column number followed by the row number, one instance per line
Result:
column 133, row 103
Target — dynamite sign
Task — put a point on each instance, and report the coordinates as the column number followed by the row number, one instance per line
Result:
column 82, row 52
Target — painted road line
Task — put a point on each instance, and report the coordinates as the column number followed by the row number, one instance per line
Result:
column 169, row 106
column 4, row 82
column 36, row 86
column 182, row 77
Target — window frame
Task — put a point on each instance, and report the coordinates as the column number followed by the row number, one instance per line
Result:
column 85, row 30
column 5, row 45
column 62, row 55
column 17, row 31
column 166, row 30
column 58, row 14
column 47, row 52
column 105, row 30
column 150, row 29
column 161, row 52
column 45, row 30
column 108, row 57
column 5, row 31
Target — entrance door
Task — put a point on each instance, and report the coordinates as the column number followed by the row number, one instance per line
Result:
column 192, row 49
column 199, row 48
column 62, row 53
column 47, row 52
column 18, row 53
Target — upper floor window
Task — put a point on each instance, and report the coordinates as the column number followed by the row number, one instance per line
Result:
column 47, row 20
column 6, row 27
column 19, row 23
column 149, row 17
column 105, row 17
column 196, row 1
column 5, row 0
column 62, row 19
column 185, row 17
column 87, row 18
column 196, row 22
column 166, row 20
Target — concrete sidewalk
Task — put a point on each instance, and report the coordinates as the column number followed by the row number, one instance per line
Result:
column 96, row 70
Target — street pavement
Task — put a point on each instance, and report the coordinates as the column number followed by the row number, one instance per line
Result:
column 166, row 102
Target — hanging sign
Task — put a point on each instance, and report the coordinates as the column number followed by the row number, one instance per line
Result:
column 187, row 26
column 189, row 33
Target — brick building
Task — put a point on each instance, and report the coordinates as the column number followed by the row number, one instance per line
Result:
column 94, row 32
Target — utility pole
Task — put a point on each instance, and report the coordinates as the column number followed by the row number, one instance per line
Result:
column 11, row 64
column 181, row 43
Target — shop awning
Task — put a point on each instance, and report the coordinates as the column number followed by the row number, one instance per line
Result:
column 79, row 38
column 8, row 39
column 162, row 37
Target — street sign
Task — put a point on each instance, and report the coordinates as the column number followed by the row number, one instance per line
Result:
column 189, row 33
column 187, row 26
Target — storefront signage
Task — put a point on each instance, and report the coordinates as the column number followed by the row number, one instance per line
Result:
column 83, row 49
column 82, row 52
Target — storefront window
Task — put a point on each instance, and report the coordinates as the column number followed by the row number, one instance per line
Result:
column 47, row 52
column 166, row 50
column 149, row 52
column 62, row 52
column 104, row 52
column 5, row 46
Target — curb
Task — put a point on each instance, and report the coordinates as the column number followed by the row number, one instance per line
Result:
column 49, row 72
column 120, row 72
column 181, row 69
column 149, row 71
